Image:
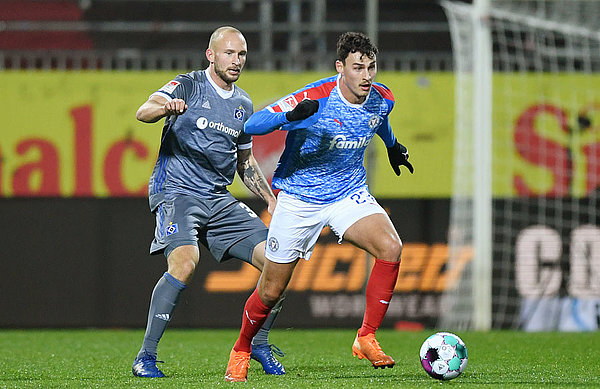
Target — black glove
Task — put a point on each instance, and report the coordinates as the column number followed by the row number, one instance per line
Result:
column 398, row 155
column 304, row 109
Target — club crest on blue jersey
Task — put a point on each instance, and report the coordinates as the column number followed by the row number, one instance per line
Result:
column 374, row 121
column 239, row 113
column 172, row 228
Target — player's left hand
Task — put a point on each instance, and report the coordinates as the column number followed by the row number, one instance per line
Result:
column 398, row 155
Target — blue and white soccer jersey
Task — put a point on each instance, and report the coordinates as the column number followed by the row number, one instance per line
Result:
column 322, row 164
column 324, row 154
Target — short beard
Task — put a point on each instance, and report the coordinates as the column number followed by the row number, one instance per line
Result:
column 224, row 76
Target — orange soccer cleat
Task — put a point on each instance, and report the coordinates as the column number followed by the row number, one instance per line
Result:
column 368, row 347
column 237, row 367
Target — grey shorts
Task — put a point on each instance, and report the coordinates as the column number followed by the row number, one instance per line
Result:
column 227, row 227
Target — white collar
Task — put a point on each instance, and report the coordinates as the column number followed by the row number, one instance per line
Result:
column 222, row 92
column 344, row 99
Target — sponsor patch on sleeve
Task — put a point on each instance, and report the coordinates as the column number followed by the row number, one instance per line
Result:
column 287, row 103
column 170, row 86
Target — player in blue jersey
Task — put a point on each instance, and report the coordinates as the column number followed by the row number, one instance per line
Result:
column 323, row 183
column 202, row 146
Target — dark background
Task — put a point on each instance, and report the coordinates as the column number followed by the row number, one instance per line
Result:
column 85, row 263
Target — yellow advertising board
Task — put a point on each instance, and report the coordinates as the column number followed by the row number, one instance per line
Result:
column 546, row 134
column 74, row 134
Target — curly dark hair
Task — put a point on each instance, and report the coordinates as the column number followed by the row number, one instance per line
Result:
column 352, row 42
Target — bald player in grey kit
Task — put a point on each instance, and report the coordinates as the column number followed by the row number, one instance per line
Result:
column 202, row 146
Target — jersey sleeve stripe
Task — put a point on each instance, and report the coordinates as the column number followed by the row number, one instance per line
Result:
column 384, row 91
column 316, row 92
column 162, row 94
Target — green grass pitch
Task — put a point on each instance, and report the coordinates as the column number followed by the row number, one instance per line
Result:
column 314, row 359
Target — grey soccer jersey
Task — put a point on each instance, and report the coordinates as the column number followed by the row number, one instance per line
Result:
column 198, row 151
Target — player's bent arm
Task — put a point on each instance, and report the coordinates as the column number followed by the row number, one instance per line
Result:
column 264, row 122
column 386, row 134
column 254, row 179
column 157, row 107
column 397, row 153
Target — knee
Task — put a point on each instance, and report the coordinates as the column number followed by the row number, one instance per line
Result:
column 184, row 269
column 270, row 294
column 182, row 262
column 390, row 249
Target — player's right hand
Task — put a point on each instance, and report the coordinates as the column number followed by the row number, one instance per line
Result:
column 304, row 109
column 175, row 107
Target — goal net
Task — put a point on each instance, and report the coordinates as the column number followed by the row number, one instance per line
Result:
column 544, row 140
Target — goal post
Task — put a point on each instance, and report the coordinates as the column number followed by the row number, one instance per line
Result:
column 526, row 165
column 482, row 143
column 470, row 217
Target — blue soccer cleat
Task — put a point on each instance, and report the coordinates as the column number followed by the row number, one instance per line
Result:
column 145, row 366
column 263, row 353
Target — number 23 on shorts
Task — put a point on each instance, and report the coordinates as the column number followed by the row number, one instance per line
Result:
column 362, row 197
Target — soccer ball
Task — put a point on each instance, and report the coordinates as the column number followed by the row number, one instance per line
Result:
column 444, row 356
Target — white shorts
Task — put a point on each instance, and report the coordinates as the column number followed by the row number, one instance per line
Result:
column 296, row 224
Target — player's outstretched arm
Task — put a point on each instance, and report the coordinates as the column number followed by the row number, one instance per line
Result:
column 254, row 179
column 265, row 121
column 157, row 107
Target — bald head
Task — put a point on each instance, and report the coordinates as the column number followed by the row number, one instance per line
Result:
column 223, row 32
column 226, row 54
